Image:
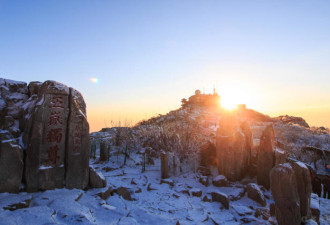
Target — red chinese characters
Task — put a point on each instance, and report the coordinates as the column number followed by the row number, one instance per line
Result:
column 52, row 155
column 54, row 130
column 57, row 102
column 54, row 135
column 55, row 119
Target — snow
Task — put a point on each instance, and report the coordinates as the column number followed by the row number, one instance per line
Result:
column 160, row 206
column 163, row 204
column 219, row 178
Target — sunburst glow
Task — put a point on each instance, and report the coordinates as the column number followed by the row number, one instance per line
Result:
column 231, row 97
column 94, row 80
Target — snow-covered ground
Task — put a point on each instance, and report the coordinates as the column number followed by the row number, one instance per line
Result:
column 153, row 202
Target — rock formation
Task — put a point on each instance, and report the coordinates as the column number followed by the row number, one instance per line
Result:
column 266, row 156
column 304, row 187
column 55, row 137
column 255, row 193
column 233, row 153
column 11, row 163
column 283, row 184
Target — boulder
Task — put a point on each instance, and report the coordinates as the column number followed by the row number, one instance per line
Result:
column 167, row 181
column 266, row 158
column 78, row 144
column 204, row 171
column 19, row 205
column 34, row 87
column 96, row 179
column 220, row 181
column 304, row 186
column 124, row 192
column 11, row 163
column 106, row 194
column 220, row 197
column 206, row 199
column 196, row 192
column 204, row 180
column 262, row 212
column 255, row 193
column 283, row 185
column 46, row 138
column 242, row 210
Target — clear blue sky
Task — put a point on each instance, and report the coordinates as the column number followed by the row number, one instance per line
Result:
column 150, row 54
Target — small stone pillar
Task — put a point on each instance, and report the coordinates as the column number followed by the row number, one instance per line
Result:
column 164, row 165
column 103, row 151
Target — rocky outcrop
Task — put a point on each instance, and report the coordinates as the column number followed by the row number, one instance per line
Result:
column 283, row 185
column 280, row 156
column 292, row 120
column 55, row 138
column 220, row 197
column 255, row 193
column 77, row 149
column 11, row 163
column 96, row 179
column 266, row 157
column 304, row 187
column 208, row 154
column 46, row 138
column 231, row 146
column 220, row 181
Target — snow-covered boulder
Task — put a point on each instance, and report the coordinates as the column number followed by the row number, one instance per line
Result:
column 96, row 179
column 218, row 196
column 255, row 193
column 196, row 192
column 220, row 181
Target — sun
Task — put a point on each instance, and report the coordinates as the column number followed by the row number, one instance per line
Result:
column 230, row 98
column 228, row 103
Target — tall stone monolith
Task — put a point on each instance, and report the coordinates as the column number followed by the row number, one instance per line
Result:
column 77, row 149
column 283, row 185
column 266, row 156
column 46, row 141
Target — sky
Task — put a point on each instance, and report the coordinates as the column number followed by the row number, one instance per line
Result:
column 135, row 59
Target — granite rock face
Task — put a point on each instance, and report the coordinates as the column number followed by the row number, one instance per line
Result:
column 304, row 187
column 46, row 144
column 11, row 163
column 96, row 180
column 283, row 185
column 48, row 122
column 255, row 193
column 266, row 156
column 77, row 149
